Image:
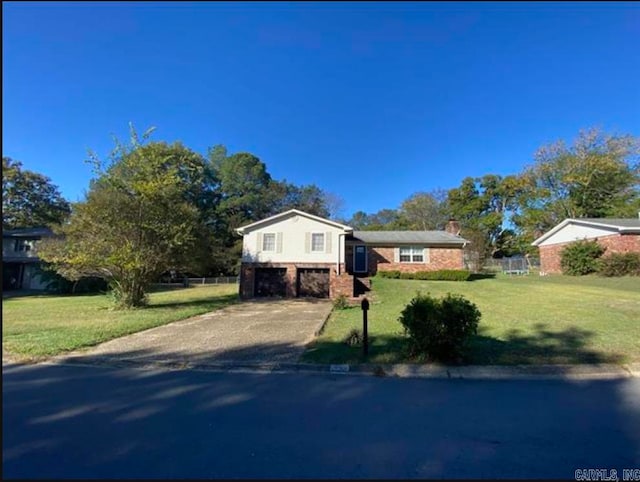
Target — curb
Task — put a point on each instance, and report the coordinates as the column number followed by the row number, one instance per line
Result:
column 473, row 372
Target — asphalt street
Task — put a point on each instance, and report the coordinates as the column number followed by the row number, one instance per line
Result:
column 97, row 422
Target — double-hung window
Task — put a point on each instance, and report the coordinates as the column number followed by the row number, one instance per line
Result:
column 411, row 254
column 22, row 245
column 269, row 242
column 317, row 242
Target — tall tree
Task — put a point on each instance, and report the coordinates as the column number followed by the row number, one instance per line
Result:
column 481, row 206
column 597, row 176
column 29, row 199
column 140, row 218
column 425, row 210
column 383, row 220
column 310, row 198
column 244, row 189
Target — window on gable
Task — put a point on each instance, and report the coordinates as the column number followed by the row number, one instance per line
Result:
column 317, row 242
column 411, row 254
column 22, row 245
column 269, row 242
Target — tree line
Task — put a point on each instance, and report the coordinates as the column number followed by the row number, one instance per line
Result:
column 154, row 207
column 597, row 176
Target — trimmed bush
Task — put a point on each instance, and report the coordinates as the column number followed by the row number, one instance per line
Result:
column 440, row 275
column 581, row 257
column 620, row 264
column 440, row 328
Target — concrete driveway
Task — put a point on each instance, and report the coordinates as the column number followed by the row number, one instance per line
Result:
column 252, row 331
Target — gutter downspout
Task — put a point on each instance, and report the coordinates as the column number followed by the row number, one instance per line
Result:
column 339, row 251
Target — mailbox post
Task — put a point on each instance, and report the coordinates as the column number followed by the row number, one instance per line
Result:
column 365, row 335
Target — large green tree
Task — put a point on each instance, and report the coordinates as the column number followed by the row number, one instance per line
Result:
column 482, row 206
column 383, row 220
column 29, row 199
column 425, row 210
column 140, row 218
column 310, row 198
column 597, row 176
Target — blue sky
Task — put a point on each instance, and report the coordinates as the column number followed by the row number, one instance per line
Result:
column 370, row 101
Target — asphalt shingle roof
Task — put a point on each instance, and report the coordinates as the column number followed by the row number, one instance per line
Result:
column 615, row 222
column 26, row 232
column 406, row 237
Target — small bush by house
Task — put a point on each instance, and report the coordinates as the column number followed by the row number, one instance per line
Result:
column 341, row 302
column 581, row 257
column 440, row 328
column 393, row 274
column 620, row 264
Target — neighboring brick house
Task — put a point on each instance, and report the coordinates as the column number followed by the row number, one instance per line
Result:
column 297, row 254
column 20, row 261
column 616, row 235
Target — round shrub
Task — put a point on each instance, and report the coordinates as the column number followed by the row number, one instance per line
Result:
column 440, row 328
column 620, row 264
column 581, row 257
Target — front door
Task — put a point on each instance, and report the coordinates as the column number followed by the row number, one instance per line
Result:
column 360, row 259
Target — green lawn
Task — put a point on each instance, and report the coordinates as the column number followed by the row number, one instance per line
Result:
column 34, row 327
column 525, row 320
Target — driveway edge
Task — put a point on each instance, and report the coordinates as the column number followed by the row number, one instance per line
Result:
column 472, row 372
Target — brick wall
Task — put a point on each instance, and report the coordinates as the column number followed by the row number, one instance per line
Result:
column 382, row 258
column 341, row 284
column 616, row 243
column 246, row 281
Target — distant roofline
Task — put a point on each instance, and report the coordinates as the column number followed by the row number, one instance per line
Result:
column 596, row 222
column 27, row 232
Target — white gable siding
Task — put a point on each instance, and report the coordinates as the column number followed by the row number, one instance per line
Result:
column 574, row 232
column 293, row 234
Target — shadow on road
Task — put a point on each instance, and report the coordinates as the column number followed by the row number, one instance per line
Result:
column 90, row 422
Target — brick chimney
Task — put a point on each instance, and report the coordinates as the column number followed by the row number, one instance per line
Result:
column 453, row 227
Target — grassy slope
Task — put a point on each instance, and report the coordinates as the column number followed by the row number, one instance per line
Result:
column 525, row 320
column 37, row 326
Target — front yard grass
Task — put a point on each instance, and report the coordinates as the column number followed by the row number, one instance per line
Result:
column 35, row 327
column 525, row 320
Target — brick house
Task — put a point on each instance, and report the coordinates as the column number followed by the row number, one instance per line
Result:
column 296, row 254
column 616, row 235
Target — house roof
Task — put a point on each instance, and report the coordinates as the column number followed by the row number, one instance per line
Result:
column 622, row 225
column 27, row 232
column 250, row 227
column 408, row 237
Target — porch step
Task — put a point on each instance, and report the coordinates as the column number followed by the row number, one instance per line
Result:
column 361, row 285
